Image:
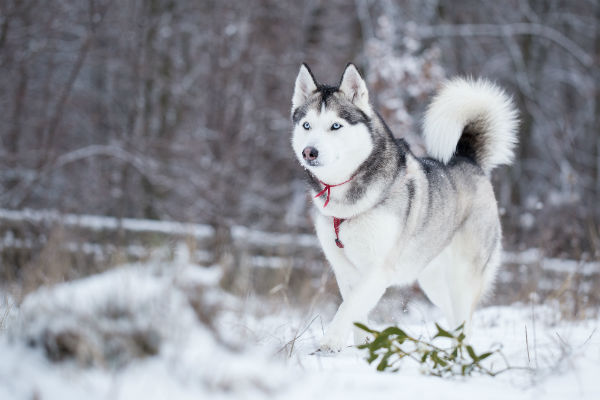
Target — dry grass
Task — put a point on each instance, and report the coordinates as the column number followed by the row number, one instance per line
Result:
column 295, row 281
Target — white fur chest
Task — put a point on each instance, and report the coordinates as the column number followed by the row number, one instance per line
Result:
column 367, row 238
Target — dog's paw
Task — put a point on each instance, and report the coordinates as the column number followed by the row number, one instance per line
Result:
column 331, row 344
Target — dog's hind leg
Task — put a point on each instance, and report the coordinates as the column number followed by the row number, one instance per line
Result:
column 434, row 283
column 458, row 277
column 475, row 262
column 464, row 290
column 447, row 284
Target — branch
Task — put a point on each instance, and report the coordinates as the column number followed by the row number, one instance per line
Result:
column 143, row 166
column 102, row 150
column 508, row 30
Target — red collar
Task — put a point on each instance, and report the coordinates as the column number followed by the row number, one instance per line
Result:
column 328, row 190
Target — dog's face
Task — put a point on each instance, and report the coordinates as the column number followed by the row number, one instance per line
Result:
column 331, row 136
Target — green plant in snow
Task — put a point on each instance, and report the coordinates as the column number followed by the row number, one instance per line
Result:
column 453, row 357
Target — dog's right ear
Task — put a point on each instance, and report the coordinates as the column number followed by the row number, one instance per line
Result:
column 305, row 86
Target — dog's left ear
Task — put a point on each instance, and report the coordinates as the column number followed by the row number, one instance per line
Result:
column 354, row 88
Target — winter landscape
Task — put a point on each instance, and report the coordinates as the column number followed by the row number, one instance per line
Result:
column 165, row 329
column 156, row 235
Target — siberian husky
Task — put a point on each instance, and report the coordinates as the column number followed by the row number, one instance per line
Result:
column 386, row 217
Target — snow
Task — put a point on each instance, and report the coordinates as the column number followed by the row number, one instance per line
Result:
column 240, row 234
column 109, row 315
column 96, row 222
column 533, row 256
column 575, row 373
column 257, row 347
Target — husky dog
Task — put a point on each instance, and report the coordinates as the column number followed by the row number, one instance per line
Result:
column 386, row 217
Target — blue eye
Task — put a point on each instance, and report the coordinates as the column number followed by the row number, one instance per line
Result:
column 335, row 126
column 306, row 126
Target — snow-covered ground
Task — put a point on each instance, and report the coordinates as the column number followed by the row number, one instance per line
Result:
column 165, row 330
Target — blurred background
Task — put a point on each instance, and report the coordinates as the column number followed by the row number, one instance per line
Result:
column 169, row 120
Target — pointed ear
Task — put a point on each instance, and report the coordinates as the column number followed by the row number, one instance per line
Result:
column 305, row 86
column 354, row 88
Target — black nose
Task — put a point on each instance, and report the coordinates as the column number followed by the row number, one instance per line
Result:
column 310, row 153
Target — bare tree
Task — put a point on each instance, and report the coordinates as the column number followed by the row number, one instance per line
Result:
column 180, row 109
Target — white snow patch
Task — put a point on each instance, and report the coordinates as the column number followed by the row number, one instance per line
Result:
column 536, row 256
column 260, row 349
column 96, row 222
column 109, row 314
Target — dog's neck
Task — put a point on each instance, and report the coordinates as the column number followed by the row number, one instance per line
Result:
column 366, row 188
column 327, row 190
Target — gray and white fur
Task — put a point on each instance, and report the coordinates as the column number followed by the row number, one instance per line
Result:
column 434, row 220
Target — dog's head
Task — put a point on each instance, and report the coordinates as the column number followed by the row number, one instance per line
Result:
column 331, row 136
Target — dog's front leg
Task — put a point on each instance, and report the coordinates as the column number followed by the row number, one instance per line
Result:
column 361, row 299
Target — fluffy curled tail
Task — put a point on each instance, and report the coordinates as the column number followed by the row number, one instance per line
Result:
column 471, row 118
